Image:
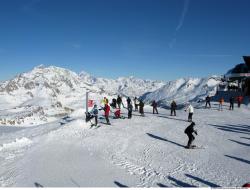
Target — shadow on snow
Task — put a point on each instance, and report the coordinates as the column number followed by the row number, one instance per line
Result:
column 239, row 159
column 120, row 185
column 162, row 139
column 202, row 181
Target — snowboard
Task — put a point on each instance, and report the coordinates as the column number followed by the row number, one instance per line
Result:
column 195, row 147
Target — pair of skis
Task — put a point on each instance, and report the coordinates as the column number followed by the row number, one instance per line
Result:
column 195, row 147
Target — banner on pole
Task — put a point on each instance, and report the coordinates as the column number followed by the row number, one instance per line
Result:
column 90, row 103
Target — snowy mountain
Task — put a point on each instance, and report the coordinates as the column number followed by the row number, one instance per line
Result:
column 46, row 93
column 184, row 90
column 56, row 92
column 125, row 86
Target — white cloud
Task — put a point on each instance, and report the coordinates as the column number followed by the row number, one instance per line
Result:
column 180, row 23
column 183, row 15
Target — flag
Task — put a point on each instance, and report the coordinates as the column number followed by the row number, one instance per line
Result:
column 90, row 103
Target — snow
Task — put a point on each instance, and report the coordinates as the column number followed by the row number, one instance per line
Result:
column 18, row 143
column 141, row 152
column 44, row 140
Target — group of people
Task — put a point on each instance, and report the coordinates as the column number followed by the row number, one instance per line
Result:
column 139, row 106
column 232, row 101
column 116, row 104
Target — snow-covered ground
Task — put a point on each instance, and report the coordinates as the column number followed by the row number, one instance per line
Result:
column 141, row 152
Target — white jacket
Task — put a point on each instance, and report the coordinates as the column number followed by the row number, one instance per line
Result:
column 190, row 109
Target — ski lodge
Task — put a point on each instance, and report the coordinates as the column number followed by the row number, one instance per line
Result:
column 238, row 78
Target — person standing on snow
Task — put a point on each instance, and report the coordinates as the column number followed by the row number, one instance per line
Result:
column 190, row 110
column 208, row 99
column 141, row 108
column 221, row 101
column 239, row 100
column 173, row 108
column 119, row 101
column 113, row 104
column 189, row 131
column 130, row 110
column 104, row 101
column 231, row 100
column 136, row 102
column 128, row 101
column 106, row 112
column 154, row 105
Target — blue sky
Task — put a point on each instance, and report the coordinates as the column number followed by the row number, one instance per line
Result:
column 153, row 39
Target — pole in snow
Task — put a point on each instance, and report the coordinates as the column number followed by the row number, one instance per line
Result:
column 87, row 100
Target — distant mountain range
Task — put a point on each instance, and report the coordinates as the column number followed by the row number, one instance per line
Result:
column 52, row 92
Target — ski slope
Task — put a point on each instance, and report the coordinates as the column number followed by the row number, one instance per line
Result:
column 141, row 152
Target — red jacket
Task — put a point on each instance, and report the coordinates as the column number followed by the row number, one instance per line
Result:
column 107, row 110
column 240, row 99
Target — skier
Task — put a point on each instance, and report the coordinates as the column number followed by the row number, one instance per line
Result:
column 141, row 108
column 119, row 101
column 190, row 110
column 221, row 101
column 130, row 110
column 107, row 110
column 231, row 100
column 128, row 101
column 136, row 102
column 154, row 104
column 208, row 99
column 173, row 108
column 94, row 114
column 189, row 131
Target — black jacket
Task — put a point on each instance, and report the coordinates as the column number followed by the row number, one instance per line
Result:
column 190, row 129
column 173, row 105
column 119, row 100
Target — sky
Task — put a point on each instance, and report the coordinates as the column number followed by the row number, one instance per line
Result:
column 150, row 39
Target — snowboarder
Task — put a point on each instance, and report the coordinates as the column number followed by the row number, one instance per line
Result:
column 136, row 102
column 208, row 99
column 141, row 108
column 231, row 100
column 189, row 131
column 173, row 108
column 107, row 110
column 190, row 110
column 119, row 101
column 130, row 110
column 221, row 101
column 94, row 113
column 154, row 105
